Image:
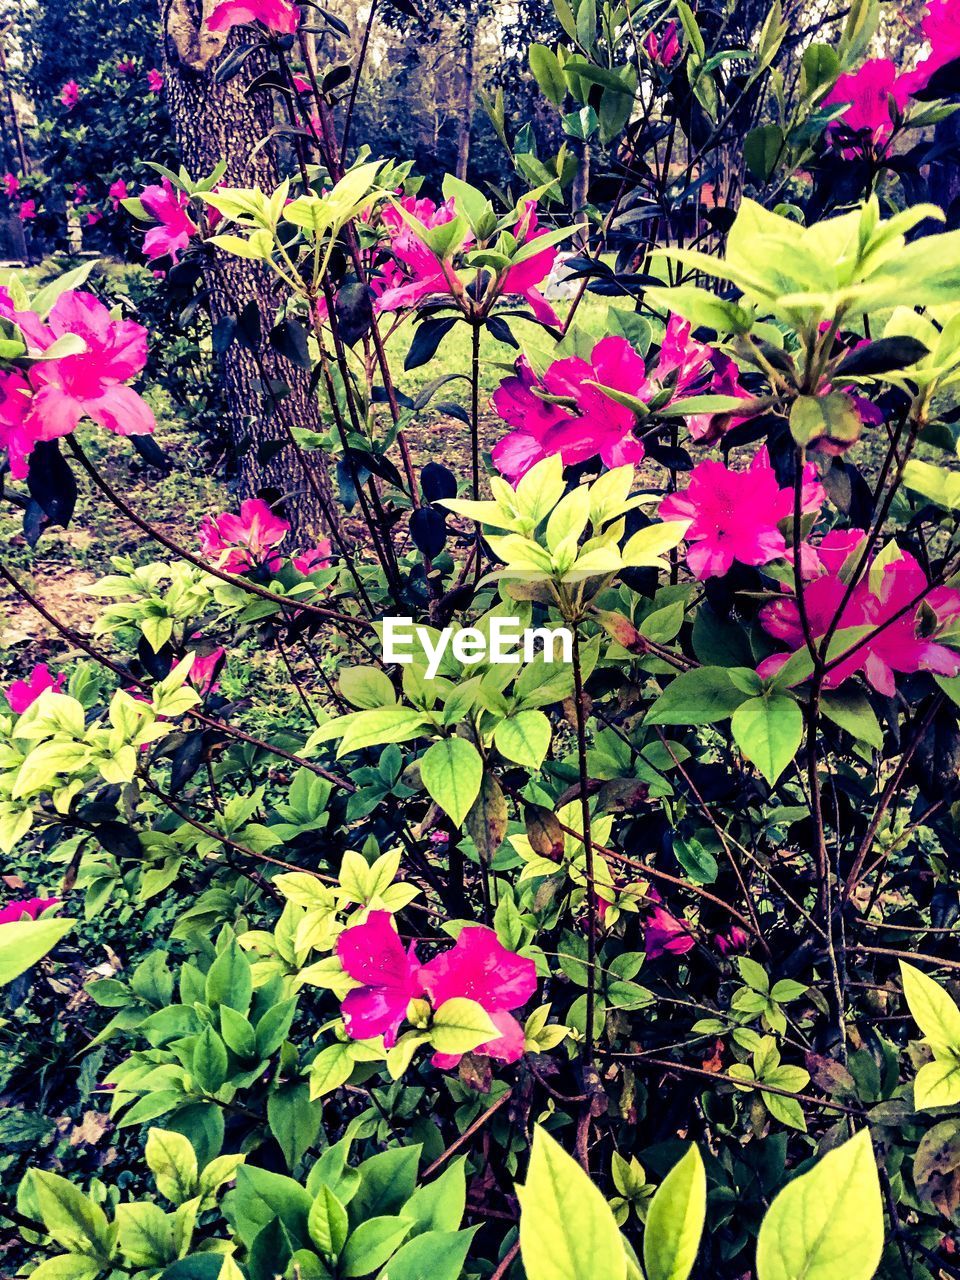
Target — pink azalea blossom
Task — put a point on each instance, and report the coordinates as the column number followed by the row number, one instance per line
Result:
column 522, row 280
column 126, row 67
column 663, row 49
column 89, row 384
column 316, row 558
column 238, row 543
column 664, row 934
column 93, row 217
column 118, row 191
column 479, row 968
column 276, row 15
column 940, row 27
column 27, row 211
column 302, row 85
column 203, row 673
column 169, row 206
column 154, row 80
column 734, row 515
column 735, row 939
column 691, row 368
column 595, row 424
column 24, row 693
column 867, row 93
column 70, row 94
column 79, row 192
column 907, row 644
column 15, row 404
column 373, row 955
column 11, row 185
column 26, row 909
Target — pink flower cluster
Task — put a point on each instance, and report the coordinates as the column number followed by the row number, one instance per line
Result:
column 664, row 49
column 55, row 394
column 26, row 909
column 907, row 642
column 414, row 273
column 70, row 94
column 24, row 693
column 735, row 515
column 869, row 90
column 277, row 16
column 476, row 968
column 247, row 541
column 170, row 207
column 588, row 422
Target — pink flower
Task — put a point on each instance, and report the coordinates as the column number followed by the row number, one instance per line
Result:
column 26, row 909
column 940, row 27
column 735, row 939
column 734, row 514
column 126, row 67
column 203, row 673
column 27, row 211
column 521, row 281
column 154, row 80
column 906, row 645
column 276, row 15
column 373, row 955
column 302, row 85
column 665, row 934
column 594, row 424
column 117, row 192
column 238, row 543
column 663, row 50
column 479, row 968
column 70, row 94
column 169, row 206
column 11, row 185
column 24, row 693
column 867, row 93
column 93, row 217
column 691, row 368
column 79, row 192
column 91, row 383
column 15, row 436
column 316, row 558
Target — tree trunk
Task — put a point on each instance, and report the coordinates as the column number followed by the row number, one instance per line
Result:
column 214, row 122
column 469, row 76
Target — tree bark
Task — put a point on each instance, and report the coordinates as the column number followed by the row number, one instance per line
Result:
column 469, row 77
column 214, row 122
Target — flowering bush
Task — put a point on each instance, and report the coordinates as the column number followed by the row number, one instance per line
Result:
column 629, row 951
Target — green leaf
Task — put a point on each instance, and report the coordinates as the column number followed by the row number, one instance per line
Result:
column 933, row 1009
column 327, row 1222
column 937, row 1083
column 24, row 942
column 567, row 1229
column 850, row 709
column 367, row 687
column 173, row 1163
column 209, row 1062
column 436, row 1255
column 524, row 738
column 71, row 1218
column 67, row 1266
column 229, row 979
column 702, row 696
column 372, row 1243
column 451, row 771
column 145, row 1234
column 934, row 483
column 762, row 149
column 675, row 1220
column 460, row 1025
column 294, row 1120
column 547, row 72
column 828, row 1222
column 439, row 1205
column 379, row 727
column 768, row 731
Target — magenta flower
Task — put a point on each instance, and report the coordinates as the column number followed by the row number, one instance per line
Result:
column 522, row 280
column 238, row 543
column 154, row 80
column 27, row 211
column 373, row 955
column 93, row 217
column 664, row 934
column 867, row 93
column 594, row 424
column 940, row 27
column 203, row 673
column 26, row 909
column 70, row 94
column 91, row 383
column 316, row 558
column 126, row 67
column 79, row 192
column 24, row 693
column 905, row 645
column 734, row 515
column 479, row 968
column 15, row 436
column 735, row 939
column 169, row 206
column 11, row 185
column 276, row 15
column 118, row 191
column 663, row 50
